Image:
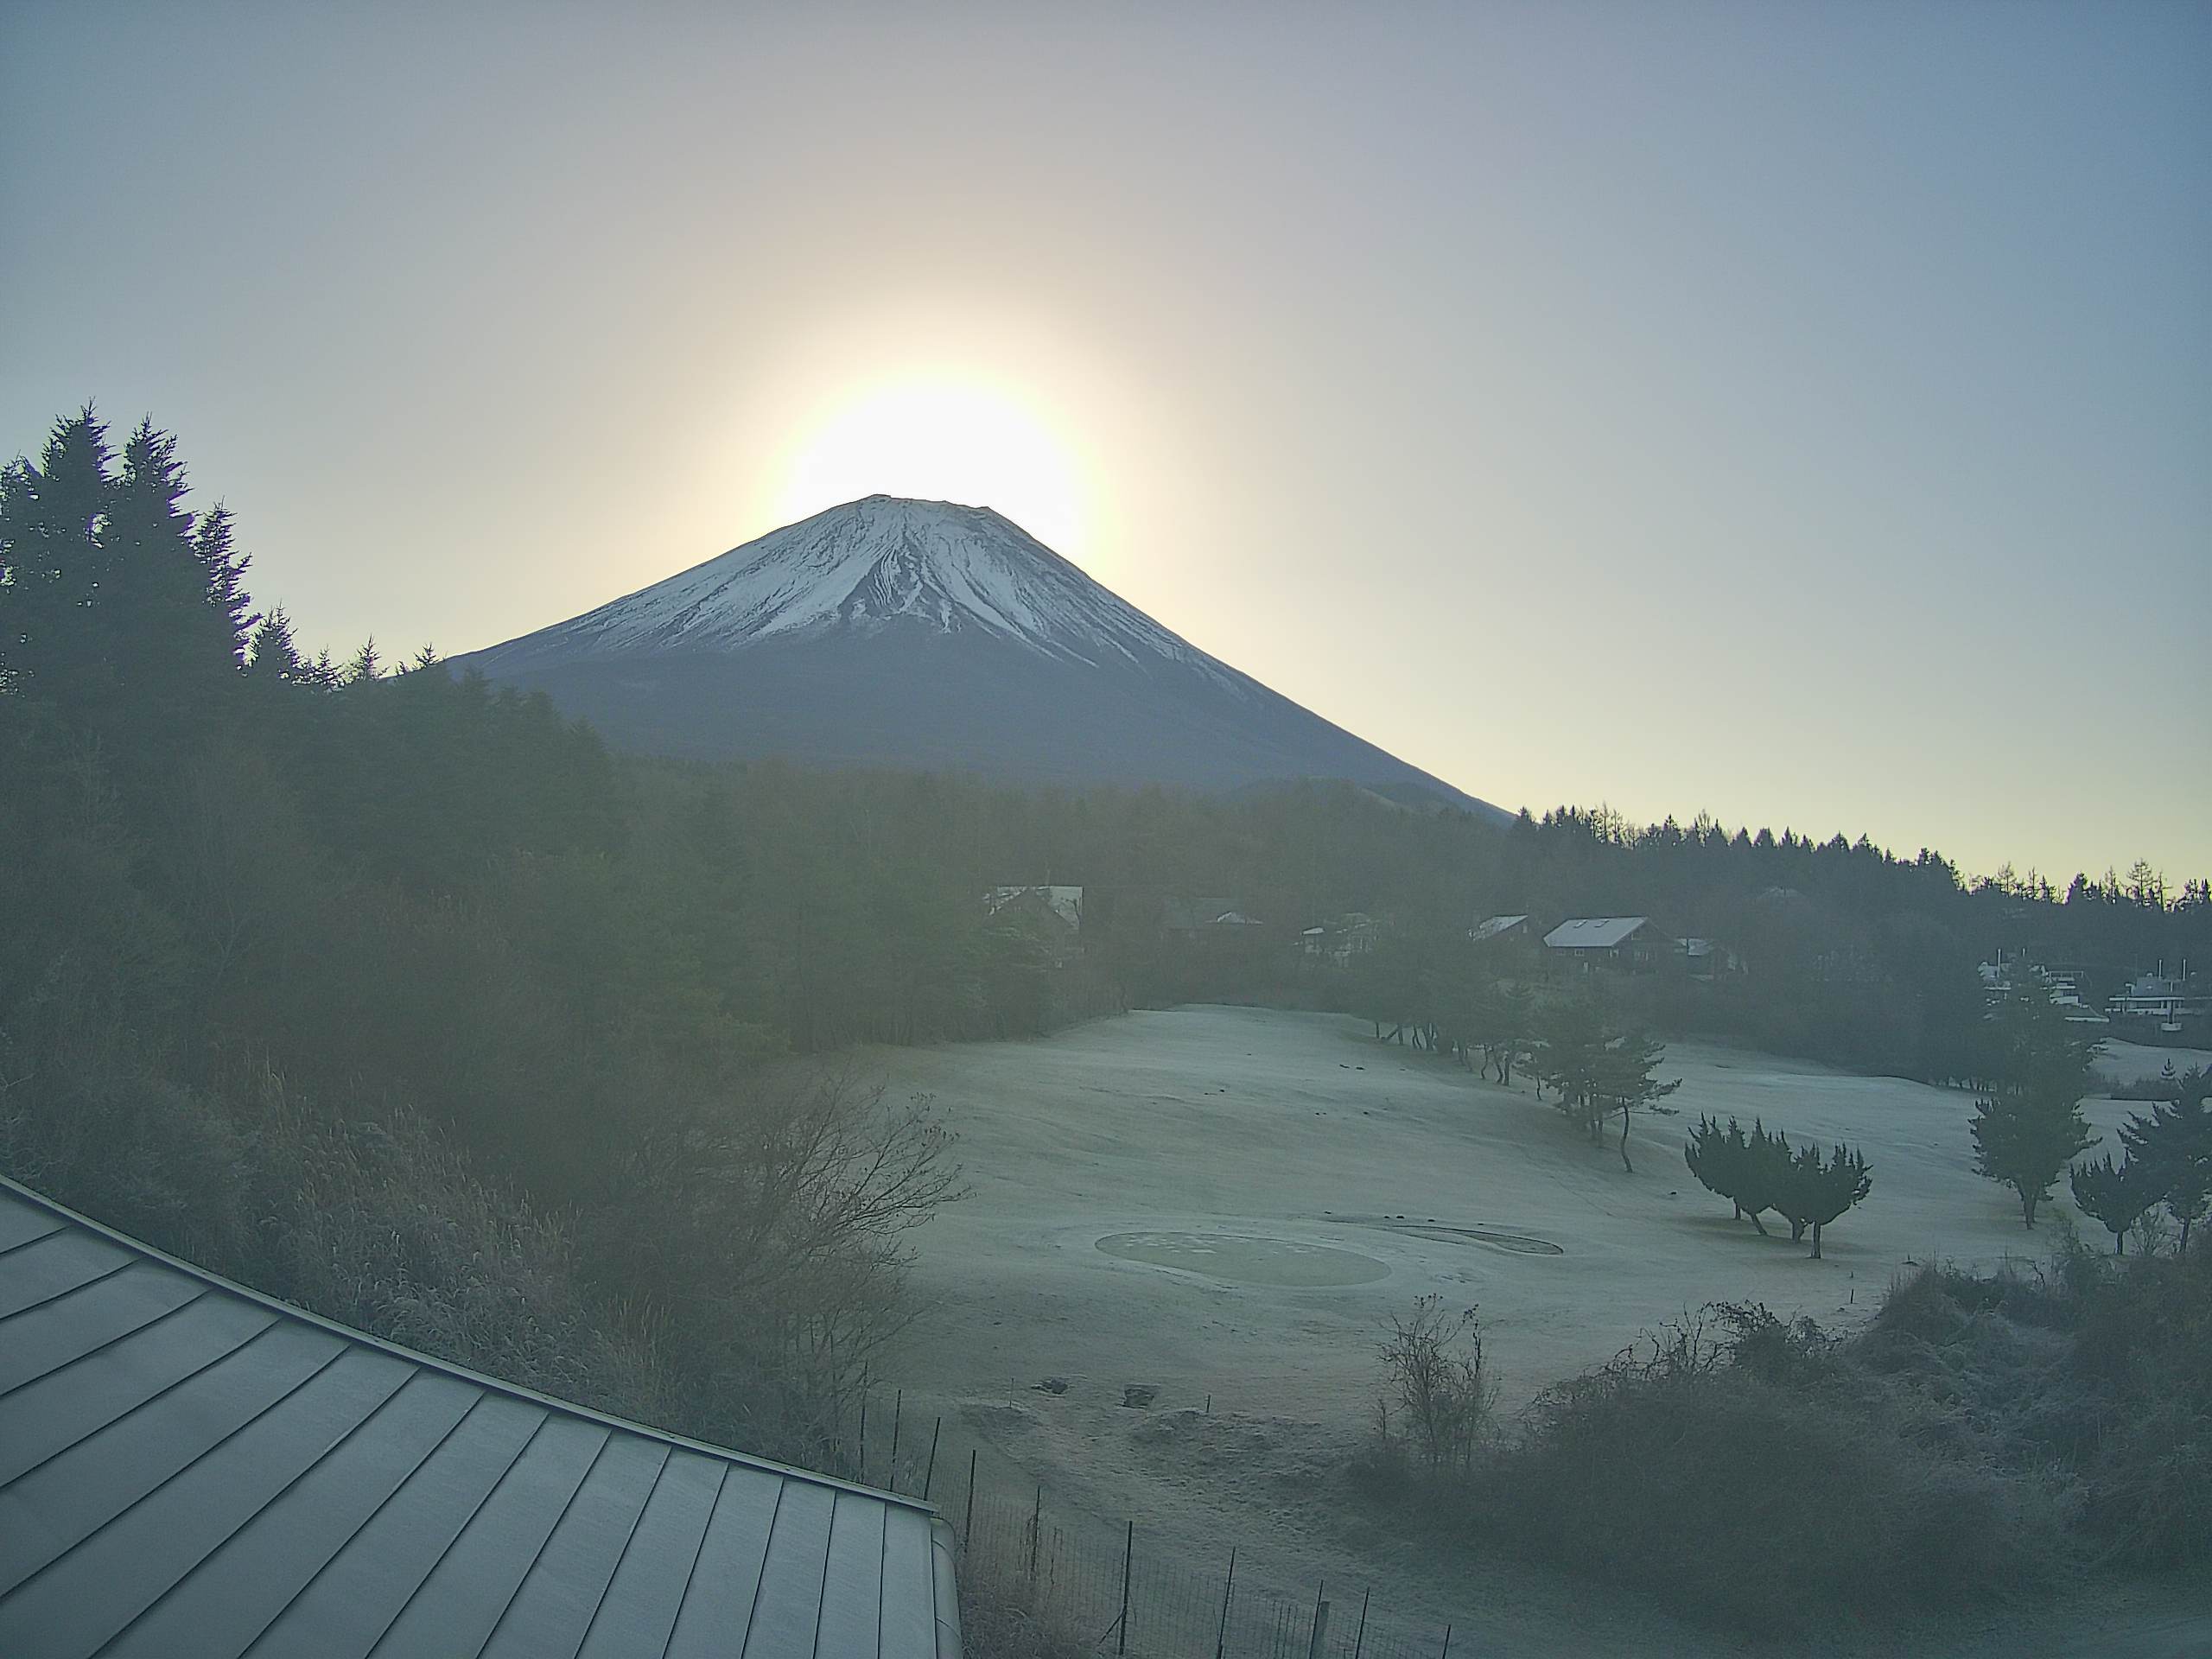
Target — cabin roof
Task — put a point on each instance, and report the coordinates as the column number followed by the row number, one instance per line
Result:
column 189, row 1467
column 1594, row 932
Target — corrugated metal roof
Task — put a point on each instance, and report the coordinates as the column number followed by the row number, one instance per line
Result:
column 190, row 1469
column 1593, row 932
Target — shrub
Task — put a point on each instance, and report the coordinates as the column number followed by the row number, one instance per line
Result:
column 1003, row 1620
column 84, row 1120
column 1737, row 1468
column 765, row 1236
column 1433, row 1364
column 1983, row 1438
column 369, row 1218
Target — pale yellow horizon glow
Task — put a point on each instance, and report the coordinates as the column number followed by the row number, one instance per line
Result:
column 1685, row 408
column 939, row 438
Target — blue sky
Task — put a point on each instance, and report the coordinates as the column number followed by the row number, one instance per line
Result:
column 1801, row 413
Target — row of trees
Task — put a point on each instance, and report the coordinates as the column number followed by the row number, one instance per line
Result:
column 1598, row 1069
column 1759, row 1172
column 2029, row 1128
column 1704, row 870
column 2165, row 1161
column 1600, row 1066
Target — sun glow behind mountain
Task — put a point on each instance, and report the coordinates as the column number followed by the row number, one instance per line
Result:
column 942, row 440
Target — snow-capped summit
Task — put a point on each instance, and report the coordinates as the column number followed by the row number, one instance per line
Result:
column 924, row 634
column 867, row 565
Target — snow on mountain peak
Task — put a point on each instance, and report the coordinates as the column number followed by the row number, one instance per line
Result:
column 879, row 562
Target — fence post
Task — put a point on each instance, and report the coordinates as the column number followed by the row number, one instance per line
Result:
column 968, row 1526
column 1036, row 1526
column 929, row 1473
column 1359, row 1642
column 898, row 1410
column 1129, row 1551
column 1447, row 1654
column 863, row 1471
column 1228, row 1588
column 1321, row 1624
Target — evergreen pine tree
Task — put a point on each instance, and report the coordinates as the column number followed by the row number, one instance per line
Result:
column 2173, row 1142
column 1627, row 1079
column 2028, row 1126
column 1764, row 1166
column 1715, row 1156
column 2025, row 1137
column 117, row 609
column 273, row 657
column 53, row 564
column 1820, row 1191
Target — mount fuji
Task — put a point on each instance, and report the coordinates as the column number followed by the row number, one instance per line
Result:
column 929, row 636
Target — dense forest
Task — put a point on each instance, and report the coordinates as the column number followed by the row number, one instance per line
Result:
column 398, row 995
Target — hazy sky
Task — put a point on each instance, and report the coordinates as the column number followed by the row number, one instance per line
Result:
column 1799, row 412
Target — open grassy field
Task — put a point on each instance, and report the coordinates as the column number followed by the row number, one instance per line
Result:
column 1226, row 1204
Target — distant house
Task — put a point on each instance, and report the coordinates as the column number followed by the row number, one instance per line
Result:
column 1193, row 918
column 1064, row 903
column 1704, row 959
column 1339, row 939
column 1628, row 943
column 1500, row 927
column 1051, row 915
column 2161, row 999
column 1999, row 976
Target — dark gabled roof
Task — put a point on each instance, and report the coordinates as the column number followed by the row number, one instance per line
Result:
column 189, row 1468
column 1594, row 932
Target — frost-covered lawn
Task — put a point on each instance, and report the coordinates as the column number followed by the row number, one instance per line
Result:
column 1257, row 1125
column 1270, row 1187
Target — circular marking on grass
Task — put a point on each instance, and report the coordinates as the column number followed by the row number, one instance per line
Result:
column 1519, row 1244
column 1239, row 1259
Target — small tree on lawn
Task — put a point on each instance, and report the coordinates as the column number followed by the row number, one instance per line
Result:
column 2024, row 1138
column 1482, row 1021
column 1625, row 1080
column 1815, row 1191
column 1568, row 1053
column 1792, row 1187
column 2173, row 1143
column 2028, row 1126
column 1766, row 1165
column 2117, row 1194
column 1516, row 1013
column 1716, row 1156
column 1752, row 1172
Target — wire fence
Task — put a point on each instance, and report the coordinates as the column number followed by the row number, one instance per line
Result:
column 1115, row 1587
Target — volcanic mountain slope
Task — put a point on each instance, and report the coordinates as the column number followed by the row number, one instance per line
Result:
column 926, row 635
